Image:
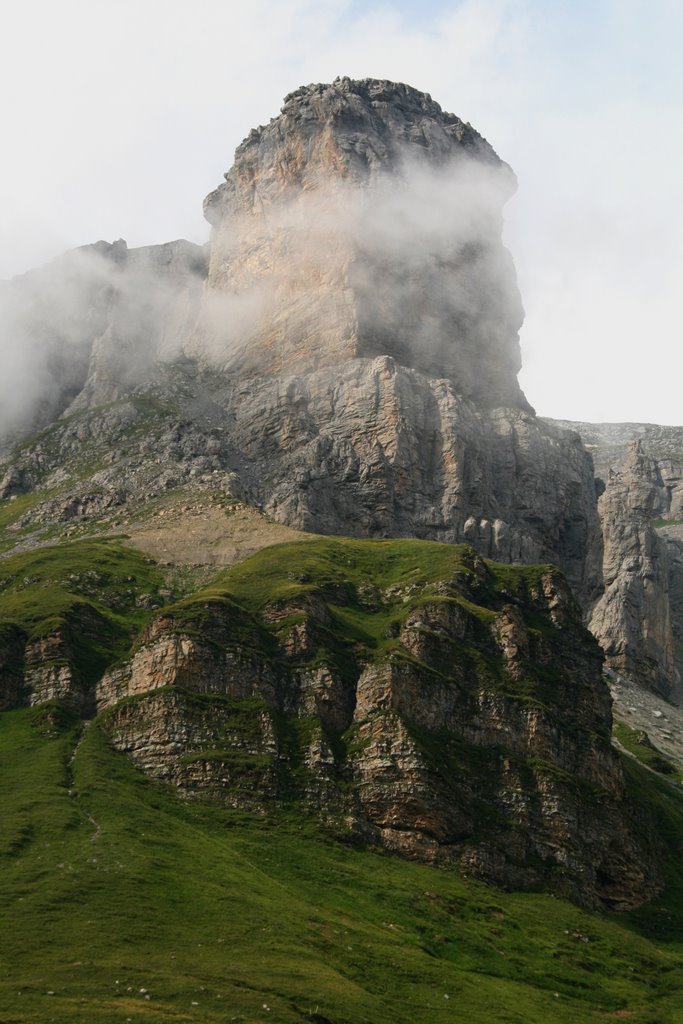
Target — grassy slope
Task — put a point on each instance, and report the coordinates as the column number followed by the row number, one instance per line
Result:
column 120, row 887
column 651, row 757
column 368, row 586
column 86, row 589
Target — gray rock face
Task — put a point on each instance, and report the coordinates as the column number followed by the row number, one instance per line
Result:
column 348, row 360
column 639, row 618
column 609, row 444
column 374, row 449
column 367, row 449
column 373, row 390
column 633, row 617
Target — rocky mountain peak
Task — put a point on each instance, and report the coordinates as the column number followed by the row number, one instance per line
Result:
column 349, row 130
column 365, row 221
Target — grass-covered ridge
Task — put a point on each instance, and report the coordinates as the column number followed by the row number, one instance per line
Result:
column 87, row 591
column 356, row 595
column 638, row 744
column 121, row 904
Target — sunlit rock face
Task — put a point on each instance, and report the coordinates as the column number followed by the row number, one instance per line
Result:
column 365, row 221
column 478, row 735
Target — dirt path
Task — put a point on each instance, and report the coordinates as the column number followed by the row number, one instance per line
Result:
column 72, row 791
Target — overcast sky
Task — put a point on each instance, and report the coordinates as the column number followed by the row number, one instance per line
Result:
column 118, row 117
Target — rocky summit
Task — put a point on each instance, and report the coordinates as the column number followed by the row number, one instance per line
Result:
column 335, row 374
column 367, row 221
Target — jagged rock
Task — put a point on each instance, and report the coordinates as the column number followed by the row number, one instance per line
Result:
column 350, row 367
column 403, row 415
column 375, row 449
column 633, row 617
column 200, row 746
column 48, row 668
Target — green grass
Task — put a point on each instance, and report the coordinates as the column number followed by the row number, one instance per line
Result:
column 109, row 885
column 367, row 590
column 649, row 756
column 11, row 510
column 84, row 591
column 112, row 889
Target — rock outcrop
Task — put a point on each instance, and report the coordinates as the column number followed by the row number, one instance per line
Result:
column 344, row 356
column 633, row 618
column 454, row 715
column 639, row 617
column 353, row 363
column 406, row 693
column 375, row 449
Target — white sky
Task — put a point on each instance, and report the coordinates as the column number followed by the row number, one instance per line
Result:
column 118, row 116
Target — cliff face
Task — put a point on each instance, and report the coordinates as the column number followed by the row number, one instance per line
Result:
column 346, row 362
column 343, row 675
column 634, row 617
column 358, row 239
column 365, row 221
column 353, row 356
column 408, row 693
column 374, row 449
column 639, row 617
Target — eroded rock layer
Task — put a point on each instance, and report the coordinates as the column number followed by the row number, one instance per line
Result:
column 410, row 694
column 447, row 708
column 346, row 362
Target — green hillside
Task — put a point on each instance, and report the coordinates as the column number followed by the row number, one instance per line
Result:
column 120, row 903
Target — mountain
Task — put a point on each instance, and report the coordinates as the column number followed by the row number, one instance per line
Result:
column 639, row 617
column 354, row 354
column 284, row 547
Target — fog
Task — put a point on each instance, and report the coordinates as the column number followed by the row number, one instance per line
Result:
column 110, row 132
column 408, row 262
column 99, row 314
